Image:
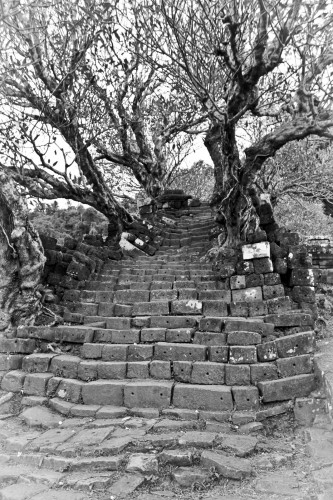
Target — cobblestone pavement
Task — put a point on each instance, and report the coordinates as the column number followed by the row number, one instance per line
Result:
column 45, row 456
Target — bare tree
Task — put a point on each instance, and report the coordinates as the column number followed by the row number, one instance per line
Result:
column 246, row 60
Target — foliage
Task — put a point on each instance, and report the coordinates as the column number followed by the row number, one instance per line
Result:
column 303, row 216
column 72, row 221
column 301, row 168
column 197, row 181
column 247, row 61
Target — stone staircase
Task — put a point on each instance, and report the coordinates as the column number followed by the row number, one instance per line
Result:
column 172, row 366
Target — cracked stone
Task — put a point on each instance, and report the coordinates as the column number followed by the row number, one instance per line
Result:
column 188, row 477
column 176, row 457
column 227, row 466
column 126, row 485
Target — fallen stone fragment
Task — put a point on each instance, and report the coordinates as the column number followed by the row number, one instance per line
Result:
column 17, row 443
column 144, row 463
column 98, row 482
column 115, row 445
column 50, row 439
column 227, row 466
column 241, row 446
column 176, row 457
column 251, row 428
column 126, row 485
column 189, row 477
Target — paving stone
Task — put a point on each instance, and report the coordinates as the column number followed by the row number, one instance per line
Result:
column 174, row 425
column 99, row 463
column 126, row 485
column 241, row 446
column 114, row 352
column 13, row 381
column 97, row 482
column 197, row 439
column 114, row 445
column 188, row 477
column 143, row 463
column 181, row 413
column 186, row 307
column 218, row 354
column 49, row 440
column 210, row 338
column 17, row 492
column 109, row 412
column 279, row 483
column 227, row 466
column 153, row 334
column 247, row 294
column 179, row 335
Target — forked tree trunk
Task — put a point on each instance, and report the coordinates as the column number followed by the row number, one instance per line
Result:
column 232, row 194
column 21, row 261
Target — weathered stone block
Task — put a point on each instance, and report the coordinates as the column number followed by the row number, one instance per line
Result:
column 297, row 365
column 303, row 294
column 278, row 305
column 237, row 282
column 35, row 383
column 242, row 354
column 207, row 373
column 153, row 334
column 267, row 351
column 163, row 295
column 103, row 392
column 253, row 280
column 280, row 266
column 160, row 369
column 244, row 267
column 222, row 295
column 273, row 291
column 262, row 266
column 112, row 370
column 263, row 371
column 122, row 310
column 211, row 324
column 150, row 394
column 17, row 345
column 87, row 370
column 131, row 296
column 118, row 323
column 215, row 308
column 239, row 309
column 186, row 307
column 295, row 345
column 290, row 319
column 257, row 308
column 157, row 308
column 12, row 362
column 182, row 371
column 179, row 335
column 211, row 397
column 70, row 390
column 138, row 369
column 237, row 375
column 256, row 250
column 187, row 294
column 210, row 338
column 247, row 294
column 226, row 465
column 173, row 322
column 114, row 352
column 299, row 256
column 272, row 279
column 243, row 338
column 36, row 363
column 91, row 351
column 125, row 336
column 65, row 366
column 250, row 325
column 218, row 353
column 13, row 381
column 286, row 388
column 139, row 352
column 106, row 309
column 179, row 352
column 245, row 397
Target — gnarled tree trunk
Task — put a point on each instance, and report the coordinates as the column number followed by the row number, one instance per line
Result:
column 21, row 261
column 232, row 192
